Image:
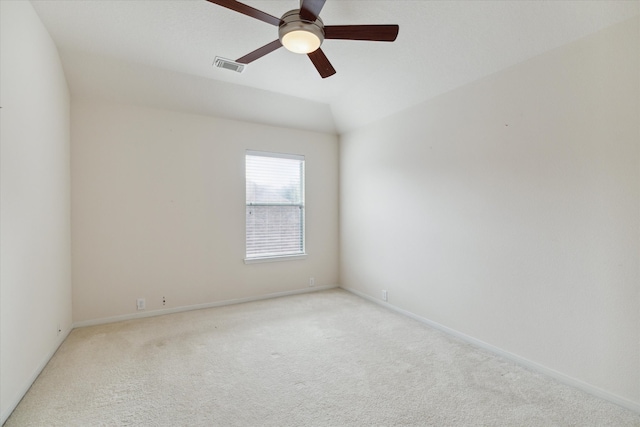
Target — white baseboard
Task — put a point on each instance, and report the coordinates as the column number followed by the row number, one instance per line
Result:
column 573, row 382
column 8, row 407
column 143, row 314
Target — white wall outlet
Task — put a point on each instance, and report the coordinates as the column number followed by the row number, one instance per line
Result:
column 384, row 296
column 312, row 281
column 164, row 301
column 59, row 329
column 141, row 304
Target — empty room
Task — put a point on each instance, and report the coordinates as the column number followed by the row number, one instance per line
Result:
column 319, row 213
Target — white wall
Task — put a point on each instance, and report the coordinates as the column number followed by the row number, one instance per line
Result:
column 158, row 209
column 35, row 266
column 508, row 210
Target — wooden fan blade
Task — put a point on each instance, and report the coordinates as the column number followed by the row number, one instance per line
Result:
column 322, row 64
column 374, row 33
column 260, row 52
column 310, row 9
column 247, row 10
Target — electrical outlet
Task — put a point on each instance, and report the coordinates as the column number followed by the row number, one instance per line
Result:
column 141, row 304
column 59, row 329
column 164, row 301
column 312, row 281
column 384, row 296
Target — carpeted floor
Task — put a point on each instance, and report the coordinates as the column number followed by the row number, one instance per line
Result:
column 322, row 359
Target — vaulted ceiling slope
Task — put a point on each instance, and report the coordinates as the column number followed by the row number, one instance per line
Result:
column 160, row 53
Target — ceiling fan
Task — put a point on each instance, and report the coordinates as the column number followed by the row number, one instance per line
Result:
column 302, row 31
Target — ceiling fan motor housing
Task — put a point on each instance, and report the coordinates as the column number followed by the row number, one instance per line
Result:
column 309, row 33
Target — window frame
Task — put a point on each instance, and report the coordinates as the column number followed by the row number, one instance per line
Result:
column 301, row 205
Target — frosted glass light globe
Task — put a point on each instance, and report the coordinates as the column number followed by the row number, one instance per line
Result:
column 301, row 41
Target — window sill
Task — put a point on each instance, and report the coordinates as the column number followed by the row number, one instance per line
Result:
column 275, row 259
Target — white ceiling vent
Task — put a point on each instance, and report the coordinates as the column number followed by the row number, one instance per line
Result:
column 228, row 64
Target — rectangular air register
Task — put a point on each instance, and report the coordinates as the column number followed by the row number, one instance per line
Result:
column 228, row 64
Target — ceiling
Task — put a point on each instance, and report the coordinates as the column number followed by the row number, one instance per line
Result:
column 160, row 53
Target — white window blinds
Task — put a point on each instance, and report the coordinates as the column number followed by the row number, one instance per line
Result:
column 275, row 204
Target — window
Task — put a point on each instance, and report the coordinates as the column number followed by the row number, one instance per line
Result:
column 275, row 206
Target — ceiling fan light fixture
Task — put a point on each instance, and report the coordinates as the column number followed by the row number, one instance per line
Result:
column 298, row 35
column 302, row 31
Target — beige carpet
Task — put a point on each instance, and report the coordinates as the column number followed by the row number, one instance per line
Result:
column 322, row 359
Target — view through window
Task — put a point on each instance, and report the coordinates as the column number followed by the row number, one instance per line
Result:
column 275, row 205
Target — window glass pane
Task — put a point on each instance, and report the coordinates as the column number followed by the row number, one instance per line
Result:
column 275, row 205
column 274, row 230
column 273, row 180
